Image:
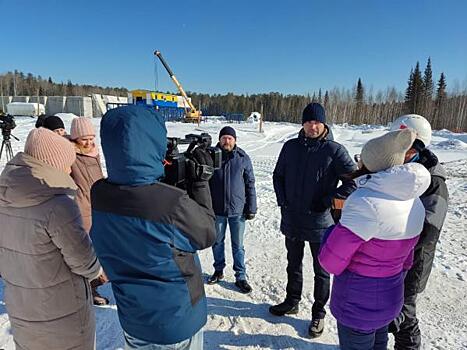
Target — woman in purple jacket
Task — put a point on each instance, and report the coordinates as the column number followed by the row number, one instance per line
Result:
column 372, row 246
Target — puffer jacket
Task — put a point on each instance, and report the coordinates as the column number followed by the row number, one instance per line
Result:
column 46, row 258
column 233, row 185
column 147, row 233
column 85, row 171
column 374, row 242
column 435, row 200
column 305, row 181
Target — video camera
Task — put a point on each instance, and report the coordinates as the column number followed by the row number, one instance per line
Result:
column 7, row 123
column 176, row 163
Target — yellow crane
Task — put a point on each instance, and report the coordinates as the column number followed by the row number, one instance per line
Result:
column 192, row 115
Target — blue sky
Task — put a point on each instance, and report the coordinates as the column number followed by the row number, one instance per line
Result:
column 236, row 46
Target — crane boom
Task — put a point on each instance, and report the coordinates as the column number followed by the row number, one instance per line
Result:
column 194, row 113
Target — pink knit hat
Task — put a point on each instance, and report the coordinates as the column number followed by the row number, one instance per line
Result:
column 50, row 148
column 81, row 127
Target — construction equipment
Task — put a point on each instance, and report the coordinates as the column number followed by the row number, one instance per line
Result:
column 192, row 115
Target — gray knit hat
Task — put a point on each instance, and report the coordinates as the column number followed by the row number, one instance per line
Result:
column 388, row 150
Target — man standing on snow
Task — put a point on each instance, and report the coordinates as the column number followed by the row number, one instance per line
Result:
column 305, row 181
column 435, row 200
column 147, row 232
column 234, row 201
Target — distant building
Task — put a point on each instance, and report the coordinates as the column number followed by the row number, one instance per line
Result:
column 172, row 107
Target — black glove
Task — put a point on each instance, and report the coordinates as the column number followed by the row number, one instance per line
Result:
column 249, row 216
column 200, row 165
column 320, row 204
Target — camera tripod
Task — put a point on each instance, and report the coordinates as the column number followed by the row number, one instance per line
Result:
column 6, row 145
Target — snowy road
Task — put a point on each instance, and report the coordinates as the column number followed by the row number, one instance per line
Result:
column 238, row 321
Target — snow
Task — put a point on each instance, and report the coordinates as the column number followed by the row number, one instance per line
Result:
column 238, row 321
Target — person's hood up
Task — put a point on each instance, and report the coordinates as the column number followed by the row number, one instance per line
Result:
column 134, row 143
column 401, row 182
column 26, row 181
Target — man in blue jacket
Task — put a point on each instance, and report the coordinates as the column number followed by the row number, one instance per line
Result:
column 234, row 201
column 305, row 181
column 146, row 233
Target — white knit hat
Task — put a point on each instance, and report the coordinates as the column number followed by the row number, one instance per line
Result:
column 388, row 150
column 50, row 148
column 81, row 127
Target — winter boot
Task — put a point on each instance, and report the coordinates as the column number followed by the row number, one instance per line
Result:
column 285, row 308
column 316, row 327
column 216, row 277
column 244, row 287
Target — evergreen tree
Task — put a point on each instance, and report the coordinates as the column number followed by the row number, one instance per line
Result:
column 320, row 99
column 440, row 100
column 415, row 91
column 428, row 90
column 359, row 95
column 359, row 100
column 326, row 99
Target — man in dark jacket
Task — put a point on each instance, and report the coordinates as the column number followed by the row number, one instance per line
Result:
column 234, row 201
column 406, row 331
column 305, row 180
column 146, row 233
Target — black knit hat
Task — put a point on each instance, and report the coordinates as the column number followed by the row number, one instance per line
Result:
column 53, row 122
column 228, row 130
column 314, row 111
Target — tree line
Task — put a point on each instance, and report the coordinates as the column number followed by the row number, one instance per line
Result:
column 354, row 106
column 20, row 84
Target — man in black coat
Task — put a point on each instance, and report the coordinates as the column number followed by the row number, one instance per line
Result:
column 305, row 181
column 407, row 335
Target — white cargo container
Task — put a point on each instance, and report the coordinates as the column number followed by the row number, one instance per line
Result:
column 25, row 109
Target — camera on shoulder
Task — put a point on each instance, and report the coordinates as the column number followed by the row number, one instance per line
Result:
column 182, row 166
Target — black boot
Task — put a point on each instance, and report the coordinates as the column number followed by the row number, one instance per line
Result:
column 216, row 277
column 316, row 327
column 285, row 308
column 244, row 287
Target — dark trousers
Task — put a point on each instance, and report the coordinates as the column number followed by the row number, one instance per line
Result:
column 408, row 337
column 350, row 339
column 295, row 251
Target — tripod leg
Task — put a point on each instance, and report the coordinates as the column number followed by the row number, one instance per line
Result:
column 1, row 149
column 10, row 151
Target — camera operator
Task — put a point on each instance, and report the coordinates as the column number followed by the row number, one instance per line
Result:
column 146, row 233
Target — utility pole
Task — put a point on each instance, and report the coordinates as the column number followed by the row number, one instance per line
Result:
column 261, row 119
column 14, row 83
column 3, row 102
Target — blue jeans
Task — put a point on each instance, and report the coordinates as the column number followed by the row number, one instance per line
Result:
column 194, row 343
column 237, row 231
column 350, row 339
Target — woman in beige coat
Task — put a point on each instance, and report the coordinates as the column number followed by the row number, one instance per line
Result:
column 85, row 171
column 46, row 257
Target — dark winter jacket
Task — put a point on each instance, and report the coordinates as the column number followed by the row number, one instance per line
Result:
column 305, row 180
column 435, row 201
column 233, row 185
column 146, row 233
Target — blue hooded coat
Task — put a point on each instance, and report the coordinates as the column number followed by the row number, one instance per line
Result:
column 146, row 233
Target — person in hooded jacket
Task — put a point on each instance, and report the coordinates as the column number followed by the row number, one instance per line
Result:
column 85, row 171
column 146, row 233
column 306, row 180
column 372, row 247
column 405, row 327
column 234, row 201
column 46, row 257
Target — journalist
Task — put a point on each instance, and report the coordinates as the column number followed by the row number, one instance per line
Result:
column 147, row 233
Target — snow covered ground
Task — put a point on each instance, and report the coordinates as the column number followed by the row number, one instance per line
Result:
column 238, row 321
